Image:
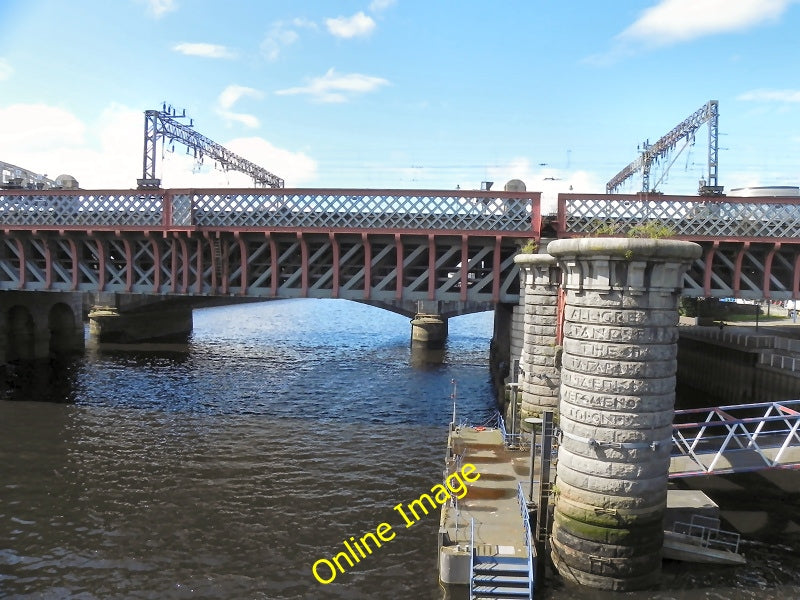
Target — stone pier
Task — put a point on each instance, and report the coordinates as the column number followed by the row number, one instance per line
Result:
column 616, row 407
column 429, row 326
column 109, row 324
column 39, row 325
column 540, row 358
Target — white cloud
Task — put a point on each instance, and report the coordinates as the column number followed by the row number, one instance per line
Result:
column 380, row 5
column 6, row 70
column 279, row 37
column 348, row 27
column 673, row 21
column 549, row 181
column 333, row 87
column 230, row 96
column 158, row 8
column 107, row 154
column 295, row 168
column 204, row 50
column 770, row 96
column 303, row 23
column 34, row 127
column 233, row 93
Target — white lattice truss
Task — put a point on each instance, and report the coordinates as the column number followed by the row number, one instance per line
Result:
column 751, row 245
column 734, row 439
column 257, row 208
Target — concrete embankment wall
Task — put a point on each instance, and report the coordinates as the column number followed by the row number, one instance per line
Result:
column 732, row 372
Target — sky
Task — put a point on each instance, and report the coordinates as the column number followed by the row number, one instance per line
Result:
column 403, row 93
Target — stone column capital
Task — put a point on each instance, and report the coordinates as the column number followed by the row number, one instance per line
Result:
column 633, row 265
column 538, row 269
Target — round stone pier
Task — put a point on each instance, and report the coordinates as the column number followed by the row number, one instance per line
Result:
column 616, row 407
column 539, row 361
column 428, row 331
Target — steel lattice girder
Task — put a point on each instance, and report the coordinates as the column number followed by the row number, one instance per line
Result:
column 368, row 267
column 310, row 209
column 681, row 217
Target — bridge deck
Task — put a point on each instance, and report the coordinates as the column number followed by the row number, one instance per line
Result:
column 735, row 439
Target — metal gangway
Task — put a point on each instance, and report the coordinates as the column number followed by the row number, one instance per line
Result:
column 736, row 439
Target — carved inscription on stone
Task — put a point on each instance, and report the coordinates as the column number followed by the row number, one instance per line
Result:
column 643, row 335
column 609, row 316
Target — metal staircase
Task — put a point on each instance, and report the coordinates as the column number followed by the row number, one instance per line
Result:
column 500, row 577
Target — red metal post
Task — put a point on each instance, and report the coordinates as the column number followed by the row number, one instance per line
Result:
column 398, row 244
column 243, row 264
column 768, row 268
column 128, row 263
column 273, row 265
column 431, row 267
column 464, row 267
column 22, row 260
column 709, row 262
column 496, row 268
column 367, row 266
column 303, row 264
column 335, row 266
column 48, row 262
column 737, row 271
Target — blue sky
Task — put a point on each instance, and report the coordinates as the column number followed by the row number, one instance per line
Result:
column 402, row 93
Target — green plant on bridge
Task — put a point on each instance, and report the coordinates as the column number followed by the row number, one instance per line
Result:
column 606, row 227
column 651, row 229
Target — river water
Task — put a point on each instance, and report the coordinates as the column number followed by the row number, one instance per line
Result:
column 224, row 468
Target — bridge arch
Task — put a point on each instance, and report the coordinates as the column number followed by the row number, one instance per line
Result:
column 21, row 334
column 61, row 323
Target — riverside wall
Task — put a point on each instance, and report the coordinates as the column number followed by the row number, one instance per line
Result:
column 729, row 367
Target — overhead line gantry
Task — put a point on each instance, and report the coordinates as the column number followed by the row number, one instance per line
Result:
column 651, row 153
column 165, row 124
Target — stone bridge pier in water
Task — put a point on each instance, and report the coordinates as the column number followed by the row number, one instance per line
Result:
column 616, row 403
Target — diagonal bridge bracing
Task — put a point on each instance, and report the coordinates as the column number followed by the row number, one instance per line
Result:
column 376, row 246
column 736, row 439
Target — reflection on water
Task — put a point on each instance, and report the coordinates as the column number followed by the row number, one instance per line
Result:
column 224, row 468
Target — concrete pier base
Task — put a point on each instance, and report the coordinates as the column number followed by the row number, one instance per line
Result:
column 428, row 331
column 616, row 407
column 108, row 324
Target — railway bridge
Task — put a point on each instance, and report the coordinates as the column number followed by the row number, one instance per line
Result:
column 416, row 252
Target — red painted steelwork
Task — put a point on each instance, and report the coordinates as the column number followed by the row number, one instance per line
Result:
column 22, row 262
column 101, row 260
column 336, row 264
column 708, row 270
column 367, row 265
column 273, row 251
column 129, row 266
column 737, row 272
column 464, row 265
column 304, row 264
column 768, row 268
column 561, row 303
column 796, row 278
column 398, row 242
column 496, row 274
column 48, row 263
column 75, row 271
column 431, row 267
